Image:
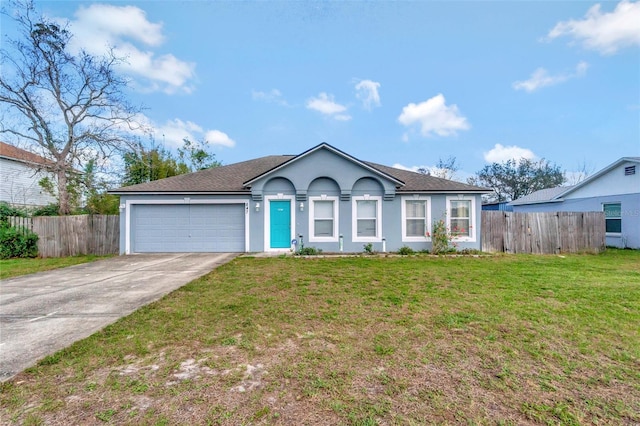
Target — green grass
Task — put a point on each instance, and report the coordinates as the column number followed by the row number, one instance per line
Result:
column 16, row 267
column 361, row 341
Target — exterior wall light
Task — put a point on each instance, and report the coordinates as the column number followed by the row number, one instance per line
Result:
column 257, row 207
column 301, row 207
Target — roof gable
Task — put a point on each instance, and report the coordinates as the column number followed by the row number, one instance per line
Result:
column 334, row 150
column 598, row 175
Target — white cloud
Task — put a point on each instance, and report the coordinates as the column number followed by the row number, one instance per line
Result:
column 367, row 92
column 413, row 168
column 501, row 153
column 604, row 32
column 173, row 132
column 99, row 27
column 434, row 117
column 272, row 96
column 216, row 137
column 325, row 104
column 541, row 78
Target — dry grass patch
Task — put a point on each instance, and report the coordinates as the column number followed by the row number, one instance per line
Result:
column 16, row 267
column 361, row 341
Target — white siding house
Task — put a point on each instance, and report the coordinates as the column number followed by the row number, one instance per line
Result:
column 614, row 190
column 20, row 172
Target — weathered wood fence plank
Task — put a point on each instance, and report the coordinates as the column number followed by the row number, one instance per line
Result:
column 61, row 236
column 543, row 233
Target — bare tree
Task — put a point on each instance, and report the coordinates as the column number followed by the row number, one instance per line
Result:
column 582, row 172
column 445, row 169
column 67, row 105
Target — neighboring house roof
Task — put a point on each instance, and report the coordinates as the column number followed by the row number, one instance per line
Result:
column 600, row 173
column 542, row 196
column 237, row 177
column 552, row 195
column 14, row 153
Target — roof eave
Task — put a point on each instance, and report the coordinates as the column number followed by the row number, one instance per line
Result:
column 116, row 192
column 444, row 191
column 526, row 203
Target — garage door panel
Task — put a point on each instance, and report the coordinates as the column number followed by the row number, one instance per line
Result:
column 188, row 228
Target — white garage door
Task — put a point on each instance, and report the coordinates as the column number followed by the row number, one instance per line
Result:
column 171, row 228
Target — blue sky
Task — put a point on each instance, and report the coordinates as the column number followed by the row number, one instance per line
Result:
column 398, row 83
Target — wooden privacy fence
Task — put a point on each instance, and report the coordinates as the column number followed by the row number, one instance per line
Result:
column 543, row 232
column 61, row 236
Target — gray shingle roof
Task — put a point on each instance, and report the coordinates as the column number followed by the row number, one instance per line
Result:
column 230, row 179
column 541, row 196
column 227, row 178
column 418, row 182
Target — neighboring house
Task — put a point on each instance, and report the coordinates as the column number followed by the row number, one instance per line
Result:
column 20, row 172
column 323, row 197
column 615, row 190
column 502, row 206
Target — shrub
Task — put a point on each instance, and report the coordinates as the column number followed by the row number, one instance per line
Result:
column 441, row 238
column 6, row 211
column 17, row 242
column 405, row 251
column 309, row 251
column 368, row 248
column 48, row 210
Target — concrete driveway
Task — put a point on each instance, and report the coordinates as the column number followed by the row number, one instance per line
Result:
column 45, row 312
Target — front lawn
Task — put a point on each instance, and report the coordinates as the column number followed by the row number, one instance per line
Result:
column 15, row 267
column 361, row 341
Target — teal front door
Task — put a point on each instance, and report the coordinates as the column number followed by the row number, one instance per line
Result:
column 280, row 224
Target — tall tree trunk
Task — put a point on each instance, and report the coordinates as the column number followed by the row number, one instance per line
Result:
column 64, row 207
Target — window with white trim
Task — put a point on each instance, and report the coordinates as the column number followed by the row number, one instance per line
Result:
column 367, row 218
column 612, row 218
column 416, row 218
column 323, row 219
column 461, row 215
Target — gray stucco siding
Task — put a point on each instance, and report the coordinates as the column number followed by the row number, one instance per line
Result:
column 391, row 226
column 322, row 164
column 317, row 176
column 391, row 219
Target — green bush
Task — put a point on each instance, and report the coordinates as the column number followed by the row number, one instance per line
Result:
column 441, row 239
column 309, row 251
column 6, row 210
column 405, row 251
column 48, row 210
column 17, row 242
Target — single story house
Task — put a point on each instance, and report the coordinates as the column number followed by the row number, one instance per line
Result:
column 20, row 174
column 614, row 190
column 323, row 198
